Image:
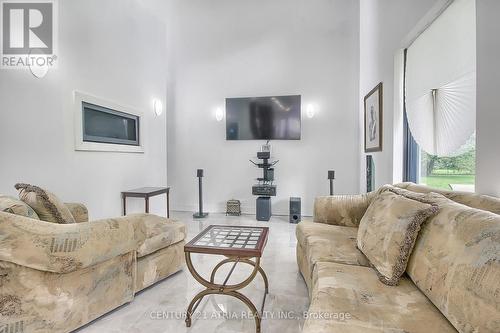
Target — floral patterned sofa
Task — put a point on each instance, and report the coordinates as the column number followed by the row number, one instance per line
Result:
column 58, row 277
column 452, row 280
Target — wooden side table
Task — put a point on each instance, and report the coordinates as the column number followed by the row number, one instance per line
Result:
column 146, row 193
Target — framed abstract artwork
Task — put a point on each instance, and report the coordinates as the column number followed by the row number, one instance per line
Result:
column 373, row 119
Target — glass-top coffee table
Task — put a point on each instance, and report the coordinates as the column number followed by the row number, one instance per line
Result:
column 239, row 244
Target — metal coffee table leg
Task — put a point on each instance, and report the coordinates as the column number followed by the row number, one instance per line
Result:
column 213, row 288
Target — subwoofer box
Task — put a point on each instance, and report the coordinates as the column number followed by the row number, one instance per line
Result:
column 295, row 210
column 263, row 209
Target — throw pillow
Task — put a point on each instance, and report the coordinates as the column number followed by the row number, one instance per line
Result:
column 16, row 206
column 388, row 231
column 48, row 207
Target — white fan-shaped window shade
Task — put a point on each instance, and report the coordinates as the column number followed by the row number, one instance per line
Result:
column 441, row 81
column 442, row 120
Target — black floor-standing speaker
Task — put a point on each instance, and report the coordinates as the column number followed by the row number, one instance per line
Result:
column 331, row 177
column 200, row 214
column 295, row 210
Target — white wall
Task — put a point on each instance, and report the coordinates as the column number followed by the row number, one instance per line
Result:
column 227, row 48
column 384, row 27
column 113, row 52
column 488, row 110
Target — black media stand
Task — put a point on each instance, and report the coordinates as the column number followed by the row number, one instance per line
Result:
column 265, row 188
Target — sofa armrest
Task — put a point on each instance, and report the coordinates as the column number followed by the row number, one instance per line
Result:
column 79, row 211
column 342, row 210
column 63, row 248
column 156, row 232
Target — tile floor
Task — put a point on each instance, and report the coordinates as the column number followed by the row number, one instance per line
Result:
column 160, row 308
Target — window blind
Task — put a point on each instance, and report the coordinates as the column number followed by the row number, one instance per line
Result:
column 441, row 81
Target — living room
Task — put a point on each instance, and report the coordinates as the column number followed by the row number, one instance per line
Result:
column 169, row 135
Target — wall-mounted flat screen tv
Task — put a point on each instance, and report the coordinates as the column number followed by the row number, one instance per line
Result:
column 263, row 118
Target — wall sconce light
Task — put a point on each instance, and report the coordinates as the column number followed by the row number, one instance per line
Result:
column 157, row 107
column 219, row 114
column 310, row 110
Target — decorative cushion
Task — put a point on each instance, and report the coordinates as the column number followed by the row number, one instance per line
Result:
column 474, row 200
column 16, row 206
column 388, row 230
column 48, row 207
column 456, row 264
column 79, row 211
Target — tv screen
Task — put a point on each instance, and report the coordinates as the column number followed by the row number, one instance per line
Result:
column 263, row 118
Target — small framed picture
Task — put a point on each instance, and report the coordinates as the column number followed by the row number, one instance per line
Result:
column 373, row 119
